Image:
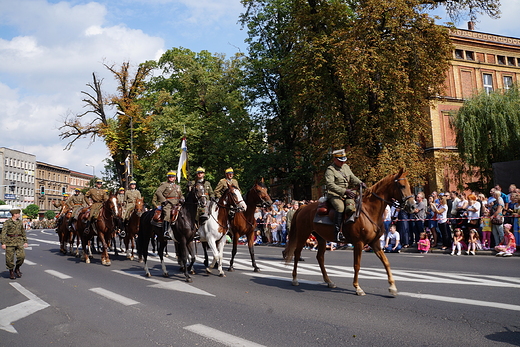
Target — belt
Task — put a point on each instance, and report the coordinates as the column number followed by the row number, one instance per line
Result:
column 175, row 197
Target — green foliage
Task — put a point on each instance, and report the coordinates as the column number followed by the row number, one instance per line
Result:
column 487, row 129
column 49, row 214
column 31, row 211
column 2, row 202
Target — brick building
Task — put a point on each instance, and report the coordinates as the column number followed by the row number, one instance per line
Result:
column 52, row 182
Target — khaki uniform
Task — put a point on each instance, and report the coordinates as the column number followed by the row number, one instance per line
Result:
column 208, row 191
column 338, row 180
column 168, row 195
column 98, row 196
column 222, row 186
column 13, row 237
column 130, row 197
column 120, row 198
column 76, row 203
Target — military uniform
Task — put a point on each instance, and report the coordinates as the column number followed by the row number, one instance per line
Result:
column 222, row 186
column 131, row 195
column 13, row 237
column 98, row 196
column 168, row 195
column 338, row 180
column 76, row 203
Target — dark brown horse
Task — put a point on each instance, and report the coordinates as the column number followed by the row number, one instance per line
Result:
column 103, row 227
column 64, row 234
column 132, row 227
column 367, row 229
column 244, row 223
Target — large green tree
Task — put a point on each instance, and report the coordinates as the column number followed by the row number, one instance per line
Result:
column 487, row 129
column 31, row 211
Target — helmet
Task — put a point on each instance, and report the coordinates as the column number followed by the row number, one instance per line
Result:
column 200, row 169
column 229, row 170
column 172, row 173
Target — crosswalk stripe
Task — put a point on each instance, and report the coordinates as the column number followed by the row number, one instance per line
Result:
column 58, row 274
column 221, row 337
column 114, row 296
column 463, row 301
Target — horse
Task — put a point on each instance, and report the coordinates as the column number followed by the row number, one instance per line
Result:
column 244, row 223
column 213, row 232
column 367, row 229
column 104, row 227
column 183, row 232
column 64, row 234
column 132, row 227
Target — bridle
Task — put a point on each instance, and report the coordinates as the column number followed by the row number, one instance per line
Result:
column 401, row 189
column 263, row 202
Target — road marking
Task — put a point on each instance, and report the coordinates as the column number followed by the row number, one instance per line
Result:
column 44, row 241
column 221, row 337
column 58, row 274
column 463, row 301
column 11, row 314
column 177, row 285
column 114, row 296
column 286, row 279
column 28, row 262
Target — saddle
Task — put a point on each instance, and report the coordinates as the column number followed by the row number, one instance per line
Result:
column 158, row 215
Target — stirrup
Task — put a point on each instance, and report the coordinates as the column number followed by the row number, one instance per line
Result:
column 167, row 236
column 340, row 237
column 122, row 233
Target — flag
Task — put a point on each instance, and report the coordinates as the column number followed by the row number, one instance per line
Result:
column 183, row 161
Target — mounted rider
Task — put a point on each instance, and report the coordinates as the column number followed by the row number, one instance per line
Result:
column 169, row 197
column 202, row 213
column 98, row 197
column 131, row 195
column 223, row 185
column 338, row 179
column 76, row 202
column 60, row 205
column 120, row 196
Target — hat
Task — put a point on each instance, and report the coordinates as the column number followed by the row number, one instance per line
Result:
column 77, row 190
column 229, row 170
column 15, row 211
column 121, row 188
column 172, row 173
column 508, row 226
column 65, row 194
column 200, row 169
column 340, row 155
column 133, row 182
column 99, row 181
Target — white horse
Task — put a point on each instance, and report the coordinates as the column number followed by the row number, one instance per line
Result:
column 213, row 232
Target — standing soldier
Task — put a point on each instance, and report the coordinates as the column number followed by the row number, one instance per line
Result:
column 202, row 213
column 131, row 195
column 338, row 177
column 60, row 205
column 14, row 240
column 169, row 196
column 98, row 197
column 222, row 184
column 75, row 203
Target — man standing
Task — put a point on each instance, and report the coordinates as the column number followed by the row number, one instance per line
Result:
column 202, row 213
column 75, row 203
column 98, row 197
column 338, row 179
column 14, row 240
column 222, row 184
column 169, row 196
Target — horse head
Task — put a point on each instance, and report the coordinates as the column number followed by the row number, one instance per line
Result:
column 260, row 190
column 200, row 194
column 236, row 197
column 394, row 190
column 139, row 206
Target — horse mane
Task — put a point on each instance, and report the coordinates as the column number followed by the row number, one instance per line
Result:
column 382, row 181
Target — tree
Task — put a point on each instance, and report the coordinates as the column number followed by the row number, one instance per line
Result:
column 2, row 202
column 31, row 211
column 457, row 8
column 49, row 214
column 487, row 129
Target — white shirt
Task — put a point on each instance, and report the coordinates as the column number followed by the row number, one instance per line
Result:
column 474, row 214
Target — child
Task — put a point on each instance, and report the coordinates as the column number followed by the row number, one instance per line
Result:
column 457, row 241
column 472, row 242
column 393, row 244
column 486, row 230
column 258, row 239
column 507, row 247
column 424, row 244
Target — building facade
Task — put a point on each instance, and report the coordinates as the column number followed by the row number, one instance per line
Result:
column 480, row 61
column 79, row 180
column 17, row 177
column 52, row 182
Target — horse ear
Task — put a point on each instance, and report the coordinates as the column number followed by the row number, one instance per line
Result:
column 400, row 174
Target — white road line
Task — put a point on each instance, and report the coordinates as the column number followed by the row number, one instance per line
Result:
column 113, row 296
column 286, row 279
column 44, row 241
column 221, row 337
column 58, row 274
column 463, row 301
column 28, row 262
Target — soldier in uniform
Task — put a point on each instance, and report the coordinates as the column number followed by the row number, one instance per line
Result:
column 14, row 240
column 131, row 195
column 202, row 213
column 98, row 197
column 75, row 203
column 121, row 196
column 169, row 196
column 222, row 184
column 59, row 205
column 338, row 179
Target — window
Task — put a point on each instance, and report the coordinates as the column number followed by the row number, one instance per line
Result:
column 470, row 55
column 488, row 82
column 459, row 54
column 508, row 82
column 501, row 60
column 511, row 61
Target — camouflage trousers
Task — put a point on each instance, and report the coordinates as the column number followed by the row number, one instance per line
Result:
column 10, row 252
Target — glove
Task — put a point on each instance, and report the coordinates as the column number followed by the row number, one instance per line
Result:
column 350, row 194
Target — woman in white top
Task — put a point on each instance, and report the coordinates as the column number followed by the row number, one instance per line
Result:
column 441, row 212
column 473, row 211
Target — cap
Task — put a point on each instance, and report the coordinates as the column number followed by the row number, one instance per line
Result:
column 133, row 182
column 15, row 211
column 99, row 181
column 340, row 155
column 121, row 188
column 200, row 169
column 65, row 194
column 229, row 170
column 172, row 173
column 77, row 190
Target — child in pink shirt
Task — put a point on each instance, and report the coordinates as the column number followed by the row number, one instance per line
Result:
column 424, row 244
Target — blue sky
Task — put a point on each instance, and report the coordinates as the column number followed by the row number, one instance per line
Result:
column 49, row 49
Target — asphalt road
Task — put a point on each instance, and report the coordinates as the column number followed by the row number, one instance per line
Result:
column 443, row 300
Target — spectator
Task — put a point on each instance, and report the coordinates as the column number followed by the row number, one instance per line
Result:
column 311, row 243
column 473, row 212
column 392, row 244
column 418, row 216
column 473, row 242
column 485, row 226
column 258, row 238
column 423, row 245
column 387, row 220
column 497, row 219
column 457, row 242
column 515, row 204
column 441, row 212
column 431, row 222
column 507, row 247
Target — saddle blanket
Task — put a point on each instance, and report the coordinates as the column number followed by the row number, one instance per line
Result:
column 322, row 219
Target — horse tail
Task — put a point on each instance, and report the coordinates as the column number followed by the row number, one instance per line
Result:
column 293, row 238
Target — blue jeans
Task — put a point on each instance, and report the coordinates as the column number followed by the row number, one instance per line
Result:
column 390, row 249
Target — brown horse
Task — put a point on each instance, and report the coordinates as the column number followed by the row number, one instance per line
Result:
column 132, row 227
column 244, row 223
column 367, row 229
column 64, row 234
column 104, row 227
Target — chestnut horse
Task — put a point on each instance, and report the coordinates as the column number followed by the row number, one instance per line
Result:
column 367, row 229
column 244, row 223
column 213, row 232
column 64, row 234
column 104, row 227
column 132, row 227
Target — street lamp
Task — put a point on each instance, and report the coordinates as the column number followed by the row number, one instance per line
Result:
column 93, row 170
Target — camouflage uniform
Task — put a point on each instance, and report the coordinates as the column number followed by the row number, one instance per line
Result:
column 131, row 195
column 98, row 196
column 13, row 237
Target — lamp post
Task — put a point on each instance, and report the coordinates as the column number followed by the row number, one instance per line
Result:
column 93, row 170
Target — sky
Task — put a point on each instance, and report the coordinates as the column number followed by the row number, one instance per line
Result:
column 49, row 50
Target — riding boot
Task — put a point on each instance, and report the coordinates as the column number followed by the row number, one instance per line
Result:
column 17, row 271
column 338, row 221
column 351, row 217
column 166, row 229
column 11, row 274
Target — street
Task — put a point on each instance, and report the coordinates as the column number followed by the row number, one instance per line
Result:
column 443, row 300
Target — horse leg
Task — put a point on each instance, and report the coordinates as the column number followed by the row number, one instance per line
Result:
column 233, row 252
column 250, row 244
column 320, row 257
column 160, row 250
column 206, row 261
column 296, row 259
column 358, row 247
column 220, row 255
column 382, row 256
column 191, row 252
column 132, row 241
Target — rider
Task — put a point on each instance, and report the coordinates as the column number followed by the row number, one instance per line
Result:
column 338, row 177
column 169, row 196
column 202, row 213
column 98, row 197
column 222, row 184
column 131, row 195
column 60, row 204
column 75, row 203
column 121, row 196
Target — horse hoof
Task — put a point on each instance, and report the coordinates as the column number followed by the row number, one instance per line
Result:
column 393, row 291
column 166, row 275
column 148, row 274
column 222, row 275
column 331, row 285
column 87, row 260
column 192, row 272
column 189, row 280
column 360, row 292
column 132, row 258
column 108, row 263
column 295, row 283
column 231, row 269
column 256, row 269
column 208, row 271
